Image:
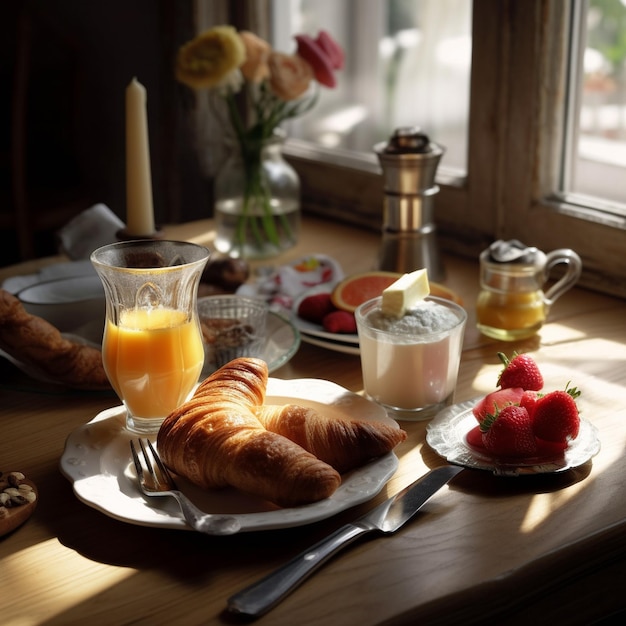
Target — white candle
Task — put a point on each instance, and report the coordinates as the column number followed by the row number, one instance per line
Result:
column 139, row 208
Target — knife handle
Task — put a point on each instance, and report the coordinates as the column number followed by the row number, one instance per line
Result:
column 261, row 596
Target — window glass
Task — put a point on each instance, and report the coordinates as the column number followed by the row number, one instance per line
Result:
column 597, row 139
column 407, row 64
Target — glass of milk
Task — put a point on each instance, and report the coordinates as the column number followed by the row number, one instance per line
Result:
column 410, row 364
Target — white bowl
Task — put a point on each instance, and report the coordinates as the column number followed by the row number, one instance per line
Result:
column 67, row 303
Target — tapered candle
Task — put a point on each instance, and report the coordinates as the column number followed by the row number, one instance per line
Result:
column 139, row 207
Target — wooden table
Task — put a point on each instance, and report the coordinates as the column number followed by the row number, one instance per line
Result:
column 549, row 548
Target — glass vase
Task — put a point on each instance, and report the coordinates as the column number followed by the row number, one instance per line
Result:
column 257, row 201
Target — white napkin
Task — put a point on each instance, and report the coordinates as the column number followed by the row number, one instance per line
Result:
column 94, row 227
column 283, row 285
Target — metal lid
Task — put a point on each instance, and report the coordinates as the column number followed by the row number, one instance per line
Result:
column 409, row 161
column 512, row 251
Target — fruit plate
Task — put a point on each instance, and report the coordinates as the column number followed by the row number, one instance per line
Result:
column 311, row 329
column 447, row 435
column 97, row 461
column 343, row 342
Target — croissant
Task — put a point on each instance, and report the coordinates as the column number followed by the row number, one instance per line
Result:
column 342, row 443
column 215, row 440
column 35, row 342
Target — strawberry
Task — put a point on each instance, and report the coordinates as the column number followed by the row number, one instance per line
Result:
column 339, row 322
column 509, row 433
column 314, row 308
column 556, row 416
column 520, row 371
column 496, row 400
column 529, row 401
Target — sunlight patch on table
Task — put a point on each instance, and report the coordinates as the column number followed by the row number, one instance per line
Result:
column 56, row 590
column 543, row 505
column 203, row 238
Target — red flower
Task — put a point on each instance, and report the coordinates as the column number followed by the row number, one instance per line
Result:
column 324, row 55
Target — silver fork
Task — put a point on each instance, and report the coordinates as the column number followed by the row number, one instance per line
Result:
column 155, row 480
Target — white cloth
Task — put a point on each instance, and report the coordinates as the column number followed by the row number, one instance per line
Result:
column 91, row 229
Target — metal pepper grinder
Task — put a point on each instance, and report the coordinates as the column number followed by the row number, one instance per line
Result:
column 409, row 161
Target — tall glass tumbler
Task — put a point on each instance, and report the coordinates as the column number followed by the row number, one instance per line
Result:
column 410, row 365
column 152, row 345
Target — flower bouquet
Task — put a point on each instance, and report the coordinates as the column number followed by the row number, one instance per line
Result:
column 256, row 220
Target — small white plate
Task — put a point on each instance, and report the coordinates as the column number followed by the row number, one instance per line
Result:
column 97, row 461
column 447, row 433
column 316, row 330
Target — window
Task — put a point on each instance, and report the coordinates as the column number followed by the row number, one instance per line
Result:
column 596, row 137
column 514, row 181
column 407, row 64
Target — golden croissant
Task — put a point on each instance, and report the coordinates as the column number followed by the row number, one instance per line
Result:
column 343, row 443
column 215, row 440
column 37, row 343
column 290, row 455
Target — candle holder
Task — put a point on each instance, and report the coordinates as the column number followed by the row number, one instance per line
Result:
column 124, row 235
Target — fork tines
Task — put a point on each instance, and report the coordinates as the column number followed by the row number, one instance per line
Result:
column 152, row 463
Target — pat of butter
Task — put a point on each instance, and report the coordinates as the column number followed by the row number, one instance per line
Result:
column 405, row 293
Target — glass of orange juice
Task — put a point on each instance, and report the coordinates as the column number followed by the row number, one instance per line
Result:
column 152, row 347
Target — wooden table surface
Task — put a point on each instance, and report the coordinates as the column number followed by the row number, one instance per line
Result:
column 499, row 550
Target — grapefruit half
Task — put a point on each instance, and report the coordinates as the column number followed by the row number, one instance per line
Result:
column 349, row 293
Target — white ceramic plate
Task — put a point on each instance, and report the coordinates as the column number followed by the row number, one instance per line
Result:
column 337, row 346
column 97, row 461
column 447, row 433
column 63, row 291
column 13, row 284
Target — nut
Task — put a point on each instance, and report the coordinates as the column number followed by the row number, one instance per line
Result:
column 14, row 492
column 15, row 478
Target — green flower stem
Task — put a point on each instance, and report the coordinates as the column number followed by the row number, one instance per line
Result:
column 270, row 112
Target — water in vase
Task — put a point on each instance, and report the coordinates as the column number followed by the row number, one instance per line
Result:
column 257, row 234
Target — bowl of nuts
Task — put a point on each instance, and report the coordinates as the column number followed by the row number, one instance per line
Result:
column 18, row 499
column 232, row 327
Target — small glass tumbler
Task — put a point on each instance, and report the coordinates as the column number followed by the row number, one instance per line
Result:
column 410, row 365
column 152, row 346
column 232, row 327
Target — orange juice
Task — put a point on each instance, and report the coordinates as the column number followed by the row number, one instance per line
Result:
column 153, row 359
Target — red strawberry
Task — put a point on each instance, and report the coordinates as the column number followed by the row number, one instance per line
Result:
column 520, row 371
column 509, row 433
column 495, row 401
column 529, row 401
column 314, row 308
column 556, row 416
column 339, row 322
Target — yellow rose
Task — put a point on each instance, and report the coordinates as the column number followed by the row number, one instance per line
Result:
column 290, row 75
column 255, row 66
column 208, row 59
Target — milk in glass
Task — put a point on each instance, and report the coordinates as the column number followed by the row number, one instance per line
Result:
column 410, row 364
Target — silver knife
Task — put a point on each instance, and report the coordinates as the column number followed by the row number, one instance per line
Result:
column 386, row 518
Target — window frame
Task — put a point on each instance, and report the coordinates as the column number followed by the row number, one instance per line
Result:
column 520, row 61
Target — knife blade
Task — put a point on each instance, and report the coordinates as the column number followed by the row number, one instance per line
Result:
column 386, row 518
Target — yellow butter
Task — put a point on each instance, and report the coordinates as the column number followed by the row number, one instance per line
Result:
column 405, row 293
